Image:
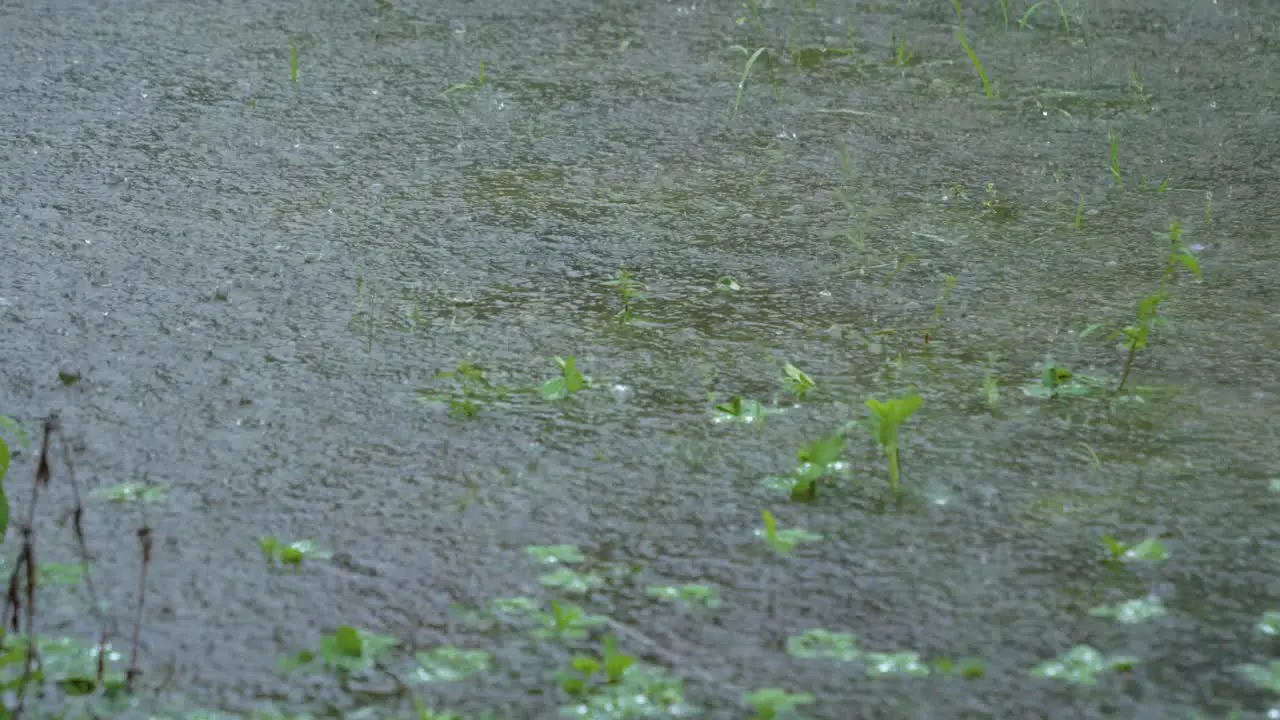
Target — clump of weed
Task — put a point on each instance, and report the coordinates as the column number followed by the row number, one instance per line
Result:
column 783, row 541
column 569, row 382
column 751, row 58
column 630, row 291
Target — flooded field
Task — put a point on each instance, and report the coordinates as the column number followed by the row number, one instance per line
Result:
column 625, row 359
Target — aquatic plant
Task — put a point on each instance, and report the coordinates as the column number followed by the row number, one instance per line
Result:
column 629, row 290
column 449, row 664
column 292, row 553
column 883, row 423
column 468, row 87
column 751, row 58
column 1131, row 612
column 14, row 430
column 796, row 381
column 293, row 60
column 568, row 383
column 345, row 652
column 1081, row 665
column 783, row 541
column 692, row 594
column 973, row 57
column 1114, row 141
column 817, row 460
column 776, row 704
column 990, row 382
column 899, row 54
column 1148, row 550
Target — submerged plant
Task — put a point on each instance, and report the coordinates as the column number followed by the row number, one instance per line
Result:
column 746, row 73
column 973, row 57
column 1081, row 665
column 629, row 290
column 883, row 423
column 775, row 703
column 783, row 541
column 796, row 381
column 570, row 381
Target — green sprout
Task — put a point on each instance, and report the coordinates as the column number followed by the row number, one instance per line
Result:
column 1081, row 666
column 467, row 87
column 346, row 651
column 883, row 423
column 783, row 541
column 1114, row 141
column 775, row 703
column 746, row 72
column 726, row 284
column 565, row 622
column 973, row 57
column 796, row 381
column 1136, row 335
column 820, row 644
column 14, row 430
column 473, row 388
column 1180, row 254
column 450, row 664
column 1056, row 380
column 571, row 581
column 741, row 410
column 569, row 382
column 290, row 553
column 1079, row 219
column 293, row 60
column 900, row 55
column 1148, row 550
column 629, row 290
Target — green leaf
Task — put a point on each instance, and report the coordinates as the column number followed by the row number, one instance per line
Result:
column 450, row 664
column 348, row 641
column 1132, row 612
column 553, row 389
column 820, row 644
column 615, row 663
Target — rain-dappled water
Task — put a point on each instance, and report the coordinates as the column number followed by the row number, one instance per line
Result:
column 254, row 278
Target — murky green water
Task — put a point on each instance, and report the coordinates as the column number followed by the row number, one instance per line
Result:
column 255, row 277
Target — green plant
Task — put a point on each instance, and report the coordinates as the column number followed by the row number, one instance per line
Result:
column 885, row 419
column 775, row 703
column 727, row 284
column 555, row 554
column 821, row 644
column 796, row 381
column 973, row 57
column 293, row 60
column 473, row 388
column 1056, row 380
column 1081, row 666
column 741, row 410
column 565, row 622
column 1114, row 141
column 293, row 553
column 901, row 56
column 1148, row 550
column 629, row 290
column 9, row 426
column 990, row 382
column 347, row 651
column 1131, row 612
column 1079, row 219
column 467, row 87
column 449, row 664
column 783, row 541
column 1137, row 334
column 746, row 72
column 570, row 381
column 1023, row 22
column 691, row 594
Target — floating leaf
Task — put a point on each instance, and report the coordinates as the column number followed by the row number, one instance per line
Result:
column 824, row 645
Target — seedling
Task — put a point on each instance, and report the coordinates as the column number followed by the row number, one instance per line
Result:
column 1136, row 335
column 629, row 290
column 1081, row 666
column 776, row 704
column 12, row 429
column 899, row 663
column 727, row 284
column 468, row 87
column 1056, row 380
column 1114, row 141
column 345, row 652
column 450, row 664
column 571, row 581
column 973, row 57
column 1149, row 550
column 820, row 644
column 746, row 72
column 1023, row 22
column 900, row 56
column 566, row 622
column 293, row 553
column 130, row 492
column 990, row 382
column 293, row 60
column 638, row 690
column 885, row 419
column 474, row 387
column 796, row 381
column 692, row 594
column 1079, row 219
column 570, row 381
column 783, row 541
column 1132, row 612
column 741, row 410
column 1180, row 254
